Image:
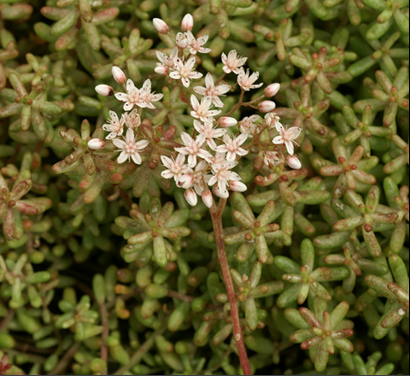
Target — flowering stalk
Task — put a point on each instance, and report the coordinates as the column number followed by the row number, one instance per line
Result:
column 216, row 215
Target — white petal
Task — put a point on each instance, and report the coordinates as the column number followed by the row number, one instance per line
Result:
column 136, row 158
column 167, row 162
column 278, row 140
column 130, row 85
column 289, row 147
column 119, row 143
column 122, row 157
column 121, row 97
column 209, row 81
column 128, row 106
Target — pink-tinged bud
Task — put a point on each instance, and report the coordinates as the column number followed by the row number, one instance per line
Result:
column 271, row 90
column 96, row 144
column 187, row 23
column 266, row 106
column 160, row 25
column 293, row 162
column 237, row 186
column 105, row 90
column 207, row 198
column 227, row 121
column 119, row 75
column 163, row 71
column 191, row 197
column 182, row 41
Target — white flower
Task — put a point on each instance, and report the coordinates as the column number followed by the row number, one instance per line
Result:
column 160, row 25
column 119, row 75
column 192, row 148
column 147, row 97
column 131, row 98
column 232, row 147
column 96, row 144
column 208, row 131
column 207, row 198
column 130, row 148
column 175, row 168
column 211, row 91
column 293, row 162
column 105, row 90
column 271, row 90
column 132, row 119
column 227, row 121
column 185, row 72
column 114, row 125
column 222, row 175
column 191, row 197
column 167, row 63
column 195, row 45
column 233, row 62
column 237, row 186
column 202, row 110
column 266, row 106
column 247, row 125
column 270, row 158
column 246, row 81
column 287, row 136
column 195, row 178
column 271, row 119
column 182, row 41
column 187, row 22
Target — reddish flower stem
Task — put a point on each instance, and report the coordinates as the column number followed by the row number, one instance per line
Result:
column 216, row 214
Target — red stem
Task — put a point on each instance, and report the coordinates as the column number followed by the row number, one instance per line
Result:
column 216, row 214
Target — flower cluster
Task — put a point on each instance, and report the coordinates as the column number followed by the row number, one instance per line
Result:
column 213, row 151
column 130, row 146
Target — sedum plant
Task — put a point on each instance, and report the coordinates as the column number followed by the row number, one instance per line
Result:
column 197, row 186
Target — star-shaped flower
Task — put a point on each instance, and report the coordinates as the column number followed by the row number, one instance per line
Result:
column 233, row 147
column 147, row 97
column 132, row 97
column 212, row 91
column 175, row 168
column 202, row 110
column 166, row 63
column 192, row 148
column 130, row 149
column 185, row 71
column 232, row 62
column 195, row 45
column 247, row 81
column 115, row 126
column 287, row 137
column 209, row 132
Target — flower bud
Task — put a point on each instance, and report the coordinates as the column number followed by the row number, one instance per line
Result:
column 163, row 71
column 182, row 41
column 105, row 90
column 271, row 90
column 266, row 106
column 160, row 25
column 293, row 162
column 96, row 144
column 237, row 186
column 227, row 121
column 207, row 198
column 119, row 75
column 191, row 197
column 187, row 23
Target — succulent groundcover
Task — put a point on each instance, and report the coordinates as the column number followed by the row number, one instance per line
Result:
column 204, row 187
